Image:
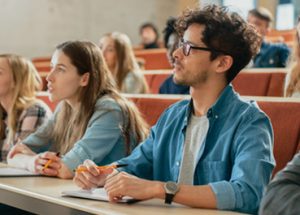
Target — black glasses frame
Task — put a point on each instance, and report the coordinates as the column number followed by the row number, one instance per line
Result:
column 186, row 48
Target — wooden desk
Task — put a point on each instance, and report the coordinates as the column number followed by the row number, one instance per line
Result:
column 41, row 195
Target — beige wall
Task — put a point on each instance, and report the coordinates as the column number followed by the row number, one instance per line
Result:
column 34, row 27
column 269, row 4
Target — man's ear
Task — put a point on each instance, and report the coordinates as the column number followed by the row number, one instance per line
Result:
column 85, row 79
column 224, row 64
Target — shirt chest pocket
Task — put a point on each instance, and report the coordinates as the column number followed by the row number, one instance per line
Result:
column 212, row 171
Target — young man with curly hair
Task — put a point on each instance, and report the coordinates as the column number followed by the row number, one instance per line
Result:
column 214, row 150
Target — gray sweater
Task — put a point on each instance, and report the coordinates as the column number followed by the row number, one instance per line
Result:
column 282, row 195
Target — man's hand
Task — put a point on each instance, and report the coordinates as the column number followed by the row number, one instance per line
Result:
column 124, row 184
column 92, row 177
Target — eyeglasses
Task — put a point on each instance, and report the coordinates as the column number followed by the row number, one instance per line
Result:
column 186, row 48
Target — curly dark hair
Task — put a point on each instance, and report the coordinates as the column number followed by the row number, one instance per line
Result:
column 224, row 31
column 169, row 29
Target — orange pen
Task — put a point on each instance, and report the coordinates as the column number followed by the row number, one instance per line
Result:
column 82, row 169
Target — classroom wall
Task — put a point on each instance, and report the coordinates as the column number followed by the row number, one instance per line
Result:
column 33, row 27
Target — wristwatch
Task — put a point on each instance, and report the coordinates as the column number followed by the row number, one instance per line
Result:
column 171, row 188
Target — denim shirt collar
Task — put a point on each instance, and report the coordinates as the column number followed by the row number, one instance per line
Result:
column 218, row 109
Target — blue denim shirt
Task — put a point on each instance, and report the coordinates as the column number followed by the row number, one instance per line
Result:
column 271, row 55
column 102, row 141
column 236, row 159
column 169, row 87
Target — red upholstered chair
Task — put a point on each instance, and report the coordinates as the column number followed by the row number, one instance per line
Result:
column 276, row 85
column 285, row 118
column 155, row 80
column 252, row 84
column 42, row 64
column 44, row 96
column 154, row 58
column 152, row 106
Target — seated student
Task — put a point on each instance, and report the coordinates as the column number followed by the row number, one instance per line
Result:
column 93, row 121
column 118, row 54
column 271, row 54
column 20, row 112
column 213, row 151
column 149, row 36
column 282, row 195
column 171, row 40
column 292, row 83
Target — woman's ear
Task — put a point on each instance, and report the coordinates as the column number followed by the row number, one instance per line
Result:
column 225, row 63
column 85, row 79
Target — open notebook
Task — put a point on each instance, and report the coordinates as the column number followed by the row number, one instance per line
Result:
column 13, row 172
column 96, row 194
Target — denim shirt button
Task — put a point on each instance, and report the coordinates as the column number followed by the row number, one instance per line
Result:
column 216, row 116
column 177, row 163
column 209, row 113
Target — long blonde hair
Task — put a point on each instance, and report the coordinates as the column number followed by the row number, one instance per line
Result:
column 126, row 61
column 293, row 84
column 26, row 83
column 87, row 58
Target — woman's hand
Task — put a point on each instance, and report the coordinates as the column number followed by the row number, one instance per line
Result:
column 19, row 148
column 46, row 163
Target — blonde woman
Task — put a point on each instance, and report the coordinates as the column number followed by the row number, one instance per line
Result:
column 20, row 112
column 119, row 56
column 93, row 121
column 292, row 86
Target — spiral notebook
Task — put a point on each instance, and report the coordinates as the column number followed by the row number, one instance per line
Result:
column 95, row 194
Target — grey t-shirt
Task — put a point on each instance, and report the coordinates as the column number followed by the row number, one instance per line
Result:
column 194, row 137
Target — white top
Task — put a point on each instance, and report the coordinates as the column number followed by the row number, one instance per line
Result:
column 133, row 83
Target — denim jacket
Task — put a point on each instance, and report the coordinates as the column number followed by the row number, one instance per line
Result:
column 102, row 141
column 236, row 159
column 272, row 55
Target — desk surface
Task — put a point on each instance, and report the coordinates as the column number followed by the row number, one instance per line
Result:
column 42, row 195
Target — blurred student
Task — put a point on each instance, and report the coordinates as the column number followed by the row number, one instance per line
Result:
column 292, row 84
column 149, row 36
column 282, row 195
column 119, row 56
column 171, row 39
column 93, row 121
column 271, row 54
column 21, row 113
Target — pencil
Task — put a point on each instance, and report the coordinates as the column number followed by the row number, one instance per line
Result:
column 49, row 162
column 82, row 169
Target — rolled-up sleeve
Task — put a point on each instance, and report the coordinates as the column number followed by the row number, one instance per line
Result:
column 253, row 162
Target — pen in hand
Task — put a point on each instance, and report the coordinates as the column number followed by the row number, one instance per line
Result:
column 49, row 162
column 82, row 169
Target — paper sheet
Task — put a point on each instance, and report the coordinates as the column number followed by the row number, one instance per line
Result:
column 12, row 172
column 96, row 194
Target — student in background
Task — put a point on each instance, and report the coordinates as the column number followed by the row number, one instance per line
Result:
column 149, row 36
column 171, row 39
column 214, row 150
column 93, row 121
column 20, row 112
column 282, row 195
column 118, row 54
column 292, row 83
column 271, row 54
